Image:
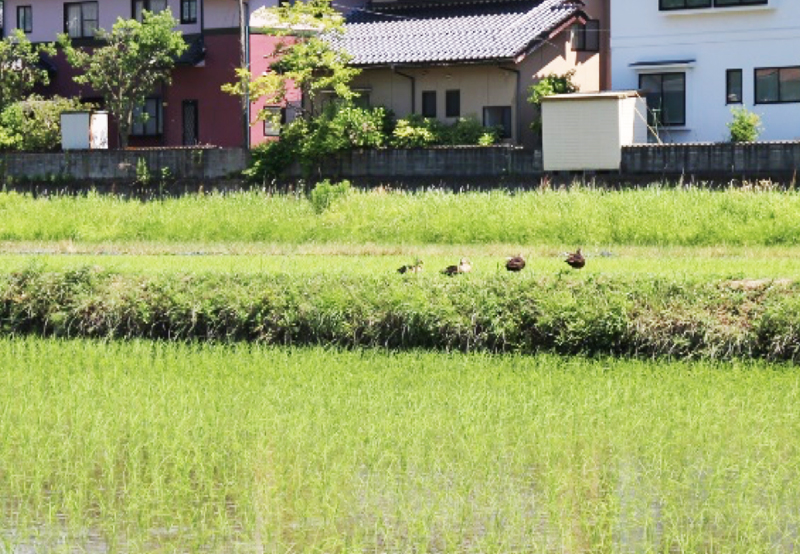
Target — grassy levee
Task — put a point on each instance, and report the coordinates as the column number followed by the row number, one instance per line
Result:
column 566, row 313
column 654, row 216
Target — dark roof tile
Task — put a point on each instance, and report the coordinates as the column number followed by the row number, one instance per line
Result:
column 476, row 30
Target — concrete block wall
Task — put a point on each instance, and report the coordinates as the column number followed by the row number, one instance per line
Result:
column 712, row 159
column 120, row 165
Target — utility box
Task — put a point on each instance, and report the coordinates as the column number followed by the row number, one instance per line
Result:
column 586, row 131
column 84, row 131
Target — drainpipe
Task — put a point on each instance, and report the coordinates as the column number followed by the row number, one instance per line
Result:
column 413, row 88
column 517, row 102
column 244, row 37
column 202, row 17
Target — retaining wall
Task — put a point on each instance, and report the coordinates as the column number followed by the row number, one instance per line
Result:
column 756, row 159
column 457, row 166
column 121, row 165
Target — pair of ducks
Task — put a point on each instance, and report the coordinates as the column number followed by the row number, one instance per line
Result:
column 574, row 259
column 464, row 266
column 514, row 263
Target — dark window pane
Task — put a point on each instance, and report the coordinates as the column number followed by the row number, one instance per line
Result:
column 767, row 89
column 577, row 37
column 498, row 117
column 592, row 36
column 452, row 103
column 789, row 78
column 733, row 86
column 665, row 94
column 674, row 91
column 429, row 103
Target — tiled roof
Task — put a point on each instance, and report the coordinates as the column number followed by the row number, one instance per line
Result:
column 451, row 31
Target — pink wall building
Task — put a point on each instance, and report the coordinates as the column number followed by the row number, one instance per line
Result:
column 193, row 109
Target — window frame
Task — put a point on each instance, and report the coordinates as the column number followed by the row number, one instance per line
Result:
column 659, row 122
column 432, row 101
column 728, row 94
column 82, row 22
column 139, row 128
column 580, row 33
column 507, row 117
column 711, row 4
column 146, row 5
column 756, row 99
column 452, row 103
column 269, row 129
column 26, row 12
column 188, row 11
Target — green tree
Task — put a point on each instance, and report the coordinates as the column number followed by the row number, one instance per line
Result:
column 19, row 67
column 307, row 59
column 135, row 58
column 745, row 125
column 547, row 86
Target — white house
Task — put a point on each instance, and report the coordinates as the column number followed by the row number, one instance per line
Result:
column 694, row 60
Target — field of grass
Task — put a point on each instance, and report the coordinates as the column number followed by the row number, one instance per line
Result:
column 157, row 447
column 655, row 216
column 252, row 430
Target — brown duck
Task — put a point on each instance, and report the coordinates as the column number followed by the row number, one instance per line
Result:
column 515, row 263
column 576, row 259
column 416, row 267
column 463, row 267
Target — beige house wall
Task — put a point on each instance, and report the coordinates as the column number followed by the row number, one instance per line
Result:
column 480, row 86
column 494, row 84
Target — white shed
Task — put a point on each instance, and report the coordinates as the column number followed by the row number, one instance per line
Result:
column 586, row 131
column 84, row 130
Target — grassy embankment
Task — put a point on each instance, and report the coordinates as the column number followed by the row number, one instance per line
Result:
column 155, row 447
column 671, row 272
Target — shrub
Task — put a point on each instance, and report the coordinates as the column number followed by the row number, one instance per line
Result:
column 416, row 131
column 35, row 124
column 745, row 126
column 325, row 194
column 468, row 130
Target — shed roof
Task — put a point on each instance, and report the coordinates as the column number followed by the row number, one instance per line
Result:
column 452, row 31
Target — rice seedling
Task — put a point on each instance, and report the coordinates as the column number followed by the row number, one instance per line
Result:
column 159, row 447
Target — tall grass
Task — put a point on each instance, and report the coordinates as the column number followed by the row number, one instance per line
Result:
column 654, row 216
column 646, row 316
column 155, row 447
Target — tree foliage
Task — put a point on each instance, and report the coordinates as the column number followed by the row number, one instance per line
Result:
column 34, row 124
column 135, row 58
column 745, row 126
column 20, row 71
column 306, row 59
column 547, row 86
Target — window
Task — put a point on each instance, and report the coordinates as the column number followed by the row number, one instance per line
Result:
column 683, row 4
column 80, row 19
column 272, row 116
column 188, row 11
column 498, row 117
column 666, row 98
column 452, row 103
column 154, row 6
column 777, row 84
column 147, row 120
column 724, row 3
column 586, row 38
column 733, row 86
column 665, row 5
column 428, row 103
column 25, row 18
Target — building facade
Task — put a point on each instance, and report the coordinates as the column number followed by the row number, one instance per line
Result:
column 695, row 60
column 475, row 58
column 193, row 109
